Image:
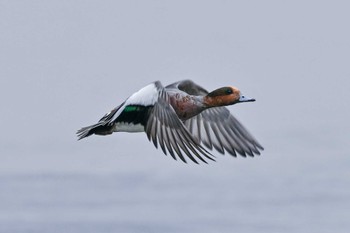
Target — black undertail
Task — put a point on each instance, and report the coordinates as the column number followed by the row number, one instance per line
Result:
column 132, row 114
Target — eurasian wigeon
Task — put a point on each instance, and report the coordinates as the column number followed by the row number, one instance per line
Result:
column 181, row 117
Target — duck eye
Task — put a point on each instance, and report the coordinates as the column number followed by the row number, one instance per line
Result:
column 229, row 91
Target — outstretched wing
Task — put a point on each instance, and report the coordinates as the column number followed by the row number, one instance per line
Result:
column 216, row 127
column 164, row 127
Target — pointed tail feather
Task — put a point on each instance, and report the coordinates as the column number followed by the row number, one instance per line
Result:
column 99, row 129
column 103, row 127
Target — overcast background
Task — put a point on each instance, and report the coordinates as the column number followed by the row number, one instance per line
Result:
column 64, row 64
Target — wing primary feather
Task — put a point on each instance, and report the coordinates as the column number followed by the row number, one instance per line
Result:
column 194, row 149
column 161, row 138
column 235, row 142
column 175, row 146
column 189, row 145
column 183, row 147
column 244, row 143
column 163, row 126
column 241, row 145
column 169, row 146
column 154, row 132
column 247, row 135
column 199, row 120
column 208, row 143
column 190, row 126
column 216, row 142
column 228, row 143
column 189, row 140
column 151, row 131
column 167, row 142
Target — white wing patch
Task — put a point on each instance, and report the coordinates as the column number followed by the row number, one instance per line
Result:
column 146, row 96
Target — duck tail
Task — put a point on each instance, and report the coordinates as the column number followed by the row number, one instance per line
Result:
column 104, row 126
column 100, row 129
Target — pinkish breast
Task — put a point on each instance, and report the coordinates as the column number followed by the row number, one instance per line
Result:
column 186, row 106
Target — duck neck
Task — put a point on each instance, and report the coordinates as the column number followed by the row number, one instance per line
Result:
column 210, row 102
column 218, row 101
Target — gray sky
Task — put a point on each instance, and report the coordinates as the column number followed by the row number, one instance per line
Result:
column 63, row 64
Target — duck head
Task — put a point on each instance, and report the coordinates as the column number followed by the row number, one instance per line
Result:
column 225, row 96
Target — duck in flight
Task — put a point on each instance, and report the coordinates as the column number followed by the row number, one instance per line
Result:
column 183, row 118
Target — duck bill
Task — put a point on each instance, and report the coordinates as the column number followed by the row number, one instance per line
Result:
column 243, row 99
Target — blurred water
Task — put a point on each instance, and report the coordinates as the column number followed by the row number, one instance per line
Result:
column 242, row 195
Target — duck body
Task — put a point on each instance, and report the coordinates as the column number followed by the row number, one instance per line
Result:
column 181, row 118
column 185, row 105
